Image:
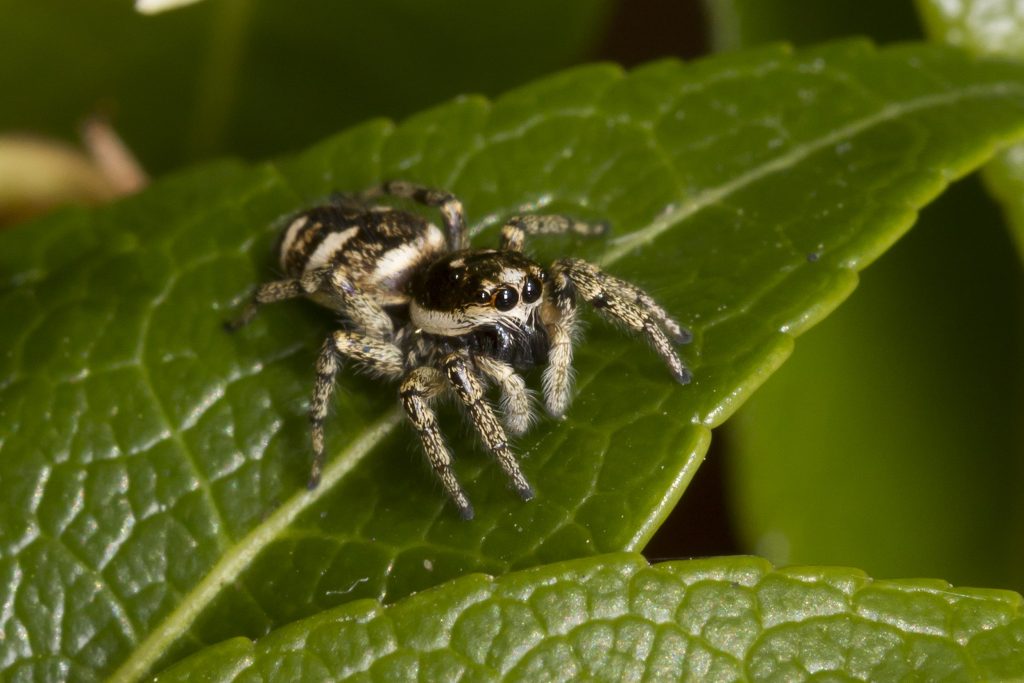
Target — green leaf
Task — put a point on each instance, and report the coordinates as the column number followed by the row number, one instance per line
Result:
column 617, row 618
column 888, row 413
column 896, row 405
column 1004, row 176
column 152, row 466
column 258, row 77
column 988, row 28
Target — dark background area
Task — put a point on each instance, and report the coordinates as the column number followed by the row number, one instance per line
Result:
column 641, row 31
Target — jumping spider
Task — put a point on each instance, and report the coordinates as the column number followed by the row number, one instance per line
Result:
column 423, row 308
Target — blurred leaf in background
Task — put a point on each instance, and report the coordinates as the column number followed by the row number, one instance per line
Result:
column 734, row 24
column 256, row 77
column 892, row 439
column 989, row 28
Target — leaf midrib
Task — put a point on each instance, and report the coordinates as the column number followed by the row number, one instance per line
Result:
column 238, row 558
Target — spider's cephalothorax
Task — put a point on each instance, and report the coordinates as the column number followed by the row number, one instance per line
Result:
column 424, row 309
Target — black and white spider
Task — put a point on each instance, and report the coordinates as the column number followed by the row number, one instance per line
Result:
column 423, row 308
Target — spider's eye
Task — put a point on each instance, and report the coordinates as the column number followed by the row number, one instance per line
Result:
column 483, row 297
column 531, row 290
column 505, row 299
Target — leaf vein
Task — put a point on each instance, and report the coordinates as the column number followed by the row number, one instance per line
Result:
column 713, row 195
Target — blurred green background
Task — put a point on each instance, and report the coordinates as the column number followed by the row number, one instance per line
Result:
column 890, row 441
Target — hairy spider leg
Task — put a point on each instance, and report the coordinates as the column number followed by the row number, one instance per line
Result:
column 446, row 202
column 278, row 290
column 470, row 391
column 367, row 314
column 560, row 318
column 515, row 397
column 620, row 301
column 379, row 357
column 362, row 309
column 419, row 387
column 513, row 233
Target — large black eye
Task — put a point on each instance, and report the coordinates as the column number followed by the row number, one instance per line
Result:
column 531, row 290
column 505, row 299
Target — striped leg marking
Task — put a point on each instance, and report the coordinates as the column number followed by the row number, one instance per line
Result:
column 417, row 389
column 380, row 357
column 446, row 202
column 514, row 232
column 360, row 308
column 470, row 391
column 623, row 302
column 279, row 290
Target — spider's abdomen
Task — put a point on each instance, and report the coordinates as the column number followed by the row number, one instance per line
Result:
column 377, row 249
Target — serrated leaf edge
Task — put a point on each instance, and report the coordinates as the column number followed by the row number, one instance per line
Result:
column 739, row 571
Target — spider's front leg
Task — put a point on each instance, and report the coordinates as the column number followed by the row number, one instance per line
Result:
column 446, row 202
column 418, row 389
column 615, row 299
column 470, row 391
column 380, row 357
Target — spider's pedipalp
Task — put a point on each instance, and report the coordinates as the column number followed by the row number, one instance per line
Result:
column 560, row 318
column 471, row 392
column 418, row 388
column 626, row 303
column 515, row 397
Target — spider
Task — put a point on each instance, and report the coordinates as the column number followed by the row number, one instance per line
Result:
column 422, row 308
